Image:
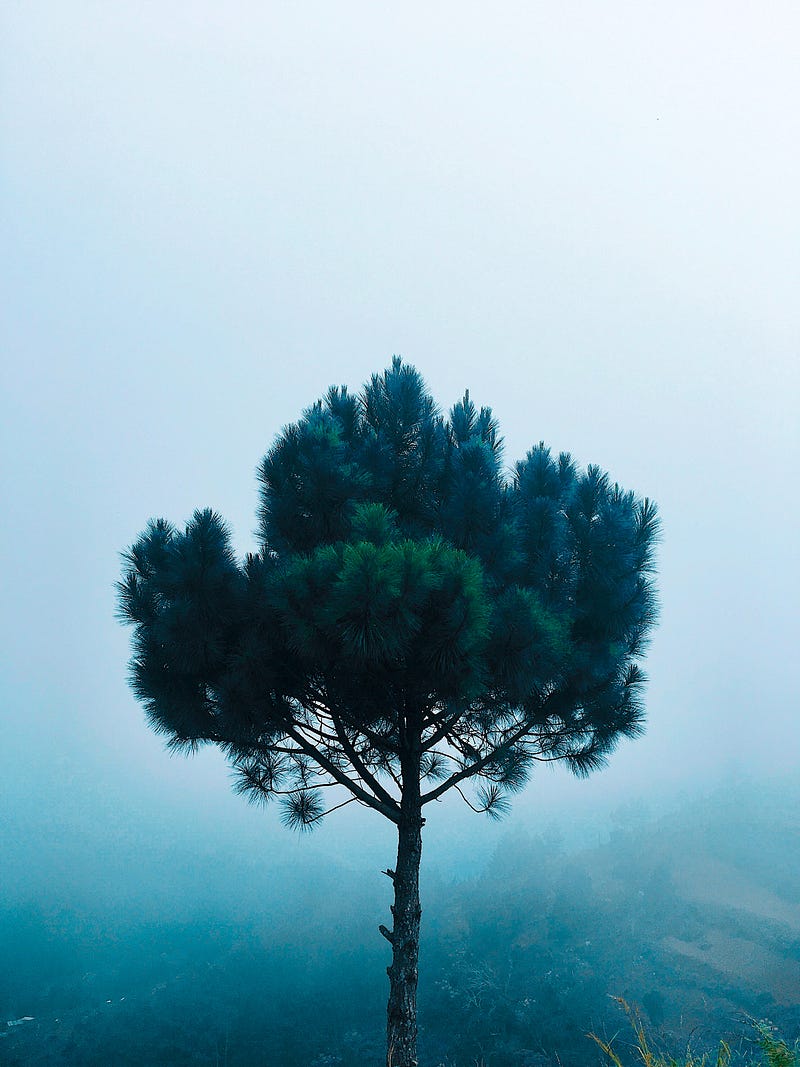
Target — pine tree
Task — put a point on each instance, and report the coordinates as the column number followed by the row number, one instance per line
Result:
column 417, row 619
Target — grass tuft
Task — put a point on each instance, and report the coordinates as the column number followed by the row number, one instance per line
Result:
column 775, row 1051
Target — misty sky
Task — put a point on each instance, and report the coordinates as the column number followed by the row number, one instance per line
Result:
column 587, row 214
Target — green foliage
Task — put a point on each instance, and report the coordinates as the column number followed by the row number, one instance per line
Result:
column 776, row 1053
column 654, row 1059
column 411, row 599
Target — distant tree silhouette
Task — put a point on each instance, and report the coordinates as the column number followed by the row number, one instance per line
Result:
column 417, row 619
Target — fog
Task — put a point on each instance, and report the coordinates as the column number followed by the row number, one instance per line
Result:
column 587, row 216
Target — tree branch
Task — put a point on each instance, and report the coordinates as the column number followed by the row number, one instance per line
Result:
column 344, row 803
column 390, row 812
column 444, row 729
column 359, row 766
column 476, row 767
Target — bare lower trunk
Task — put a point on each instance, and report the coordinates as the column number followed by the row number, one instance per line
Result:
column 401, row 1029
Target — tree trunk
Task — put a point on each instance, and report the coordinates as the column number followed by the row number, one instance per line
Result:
column 401, row 1029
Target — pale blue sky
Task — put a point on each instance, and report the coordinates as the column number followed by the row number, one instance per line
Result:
column 585, row 213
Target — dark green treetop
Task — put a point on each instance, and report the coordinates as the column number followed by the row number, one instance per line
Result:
column 411, row 599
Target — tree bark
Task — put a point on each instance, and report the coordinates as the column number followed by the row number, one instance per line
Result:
column 401, row 1029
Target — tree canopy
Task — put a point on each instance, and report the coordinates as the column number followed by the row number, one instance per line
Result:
column 410, row 594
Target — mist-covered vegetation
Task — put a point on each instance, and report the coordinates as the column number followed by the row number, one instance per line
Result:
column 693, row 916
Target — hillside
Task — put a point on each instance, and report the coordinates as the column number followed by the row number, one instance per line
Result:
column 693, row 916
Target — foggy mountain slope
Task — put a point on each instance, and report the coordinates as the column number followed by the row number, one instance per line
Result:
column 106, row 987
column 744, row 962
column 523, row 956
column 737, row 850
column 712, row 881
column 555, row 938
